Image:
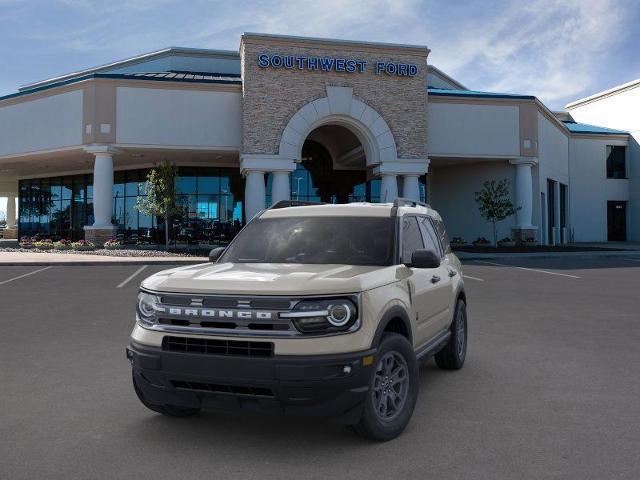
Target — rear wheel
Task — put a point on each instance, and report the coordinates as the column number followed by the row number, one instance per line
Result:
column 393, row 390
column 452, row 356
column 169, row 410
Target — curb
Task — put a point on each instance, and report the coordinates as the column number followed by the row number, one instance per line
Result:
column 596, row 254
column 97, row 264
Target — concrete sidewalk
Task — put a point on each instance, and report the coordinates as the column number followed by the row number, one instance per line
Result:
column 37, row 259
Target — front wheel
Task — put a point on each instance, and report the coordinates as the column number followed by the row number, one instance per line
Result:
column 452, row 356
column 393, row 390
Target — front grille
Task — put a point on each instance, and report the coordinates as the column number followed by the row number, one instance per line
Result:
column 226, row 314
column 225, row 389
column 279, row 325
column 218, row 347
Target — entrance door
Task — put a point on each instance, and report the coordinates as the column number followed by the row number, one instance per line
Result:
column 617, row 221
column 551, row 211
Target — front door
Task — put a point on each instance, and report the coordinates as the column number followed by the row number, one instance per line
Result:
column 430, row 287
column 617, row 221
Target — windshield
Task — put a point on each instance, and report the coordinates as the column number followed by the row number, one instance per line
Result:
column 320, row 240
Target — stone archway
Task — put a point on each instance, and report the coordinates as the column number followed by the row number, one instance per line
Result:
column 339, row 107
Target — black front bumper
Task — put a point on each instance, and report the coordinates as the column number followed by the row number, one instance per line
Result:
column 318, row 385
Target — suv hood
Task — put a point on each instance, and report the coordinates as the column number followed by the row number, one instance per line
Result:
column 271, row 279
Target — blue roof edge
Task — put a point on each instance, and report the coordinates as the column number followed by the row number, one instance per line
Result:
column 586, row 129
column 122, row 76
column 443, row 92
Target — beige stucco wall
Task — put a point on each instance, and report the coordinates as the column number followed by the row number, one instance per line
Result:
column 460, row 129
column 272, row 96
column 178, row 117
column 50, row 122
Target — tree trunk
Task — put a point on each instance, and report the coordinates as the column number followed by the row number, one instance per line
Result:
column 166, row 232
column 495, row 235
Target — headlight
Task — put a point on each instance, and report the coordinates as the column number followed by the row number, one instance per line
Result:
column 146, row 308
column 323, row 316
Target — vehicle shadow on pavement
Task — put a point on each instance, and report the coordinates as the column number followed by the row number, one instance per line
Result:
column 258, row 434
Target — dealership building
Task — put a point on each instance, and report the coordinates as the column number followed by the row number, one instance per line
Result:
column 309, row 119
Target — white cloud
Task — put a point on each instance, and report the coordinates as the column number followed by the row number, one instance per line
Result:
column 546, row 48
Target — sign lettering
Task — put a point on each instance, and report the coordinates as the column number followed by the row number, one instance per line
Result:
column 332, row 64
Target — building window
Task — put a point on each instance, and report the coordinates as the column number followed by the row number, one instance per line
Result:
column 210, row 198
column 616, row 161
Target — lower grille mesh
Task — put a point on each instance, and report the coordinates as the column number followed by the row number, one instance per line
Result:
column 217, row 347
column 229, row 389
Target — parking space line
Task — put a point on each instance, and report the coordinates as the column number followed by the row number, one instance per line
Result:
column 529, row 269
column 25, row 275
column 132, row 276
column 473, row 278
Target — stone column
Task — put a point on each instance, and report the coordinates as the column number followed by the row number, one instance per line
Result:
column 408, row 169
column 11, row 232
column 11, row 212
column 411, row 187
column 388, row 188
column 102, row 228
column 524, row 198
column 280, row 189
column 254, row 193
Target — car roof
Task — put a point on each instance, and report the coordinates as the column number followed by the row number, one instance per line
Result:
column 356, row 209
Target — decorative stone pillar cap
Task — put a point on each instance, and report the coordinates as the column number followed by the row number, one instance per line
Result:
column 265, row 163
column 524, row 161
column 403, row 167
column 100, row 148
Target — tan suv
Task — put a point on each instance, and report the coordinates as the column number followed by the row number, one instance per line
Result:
column 313, row 309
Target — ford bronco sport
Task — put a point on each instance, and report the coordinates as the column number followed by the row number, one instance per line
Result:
column 312, row 309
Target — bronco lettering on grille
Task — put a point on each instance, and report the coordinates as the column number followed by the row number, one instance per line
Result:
column 214, row 313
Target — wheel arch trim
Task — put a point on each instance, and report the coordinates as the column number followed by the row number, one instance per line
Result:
column 396, row 311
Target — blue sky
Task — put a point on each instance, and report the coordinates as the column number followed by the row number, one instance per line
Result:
column 556, row 50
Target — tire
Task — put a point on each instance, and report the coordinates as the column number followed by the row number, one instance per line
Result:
column 169, row 410
column 385, row 415
column 452, row 356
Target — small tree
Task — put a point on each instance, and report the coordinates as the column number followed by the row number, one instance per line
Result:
column 494, row 203
column 161, row 200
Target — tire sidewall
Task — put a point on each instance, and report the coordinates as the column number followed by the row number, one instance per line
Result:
column 386, row 430
column 461, row 316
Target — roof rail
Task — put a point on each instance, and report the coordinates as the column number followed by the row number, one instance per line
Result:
column 407, row 202
column 293, row 203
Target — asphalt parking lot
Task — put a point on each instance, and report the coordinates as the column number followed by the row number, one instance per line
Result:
column 551, row 388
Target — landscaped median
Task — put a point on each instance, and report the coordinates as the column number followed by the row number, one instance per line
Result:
column 45, row 252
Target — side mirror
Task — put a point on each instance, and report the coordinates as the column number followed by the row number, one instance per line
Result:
column 423, row 258
column 215, row 254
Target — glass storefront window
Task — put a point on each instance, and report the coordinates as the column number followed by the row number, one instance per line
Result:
column 60, row 207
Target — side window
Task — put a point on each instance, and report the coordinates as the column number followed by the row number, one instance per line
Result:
column 411, row 238
column 442, row 234
column 430, row 238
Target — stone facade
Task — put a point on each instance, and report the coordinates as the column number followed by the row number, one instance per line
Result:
column 272, row 96
column 99, row 236
column 9, row 233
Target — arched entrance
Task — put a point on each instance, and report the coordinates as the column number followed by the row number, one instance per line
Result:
column 333, row 168
column 337, row 149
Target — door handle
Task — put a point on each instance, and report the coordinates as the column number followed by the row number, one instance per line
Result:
column 435, row 279
column 452, row 272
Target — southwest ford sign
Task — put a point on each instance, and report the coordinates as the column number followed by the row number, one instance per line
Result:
column 334, row 64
